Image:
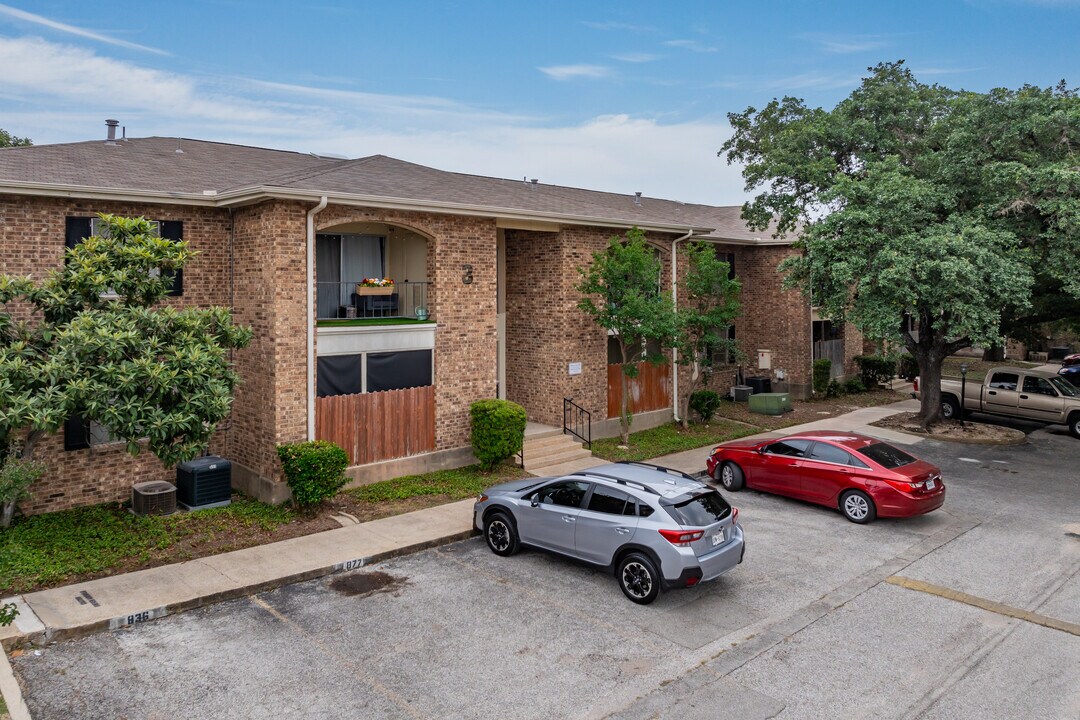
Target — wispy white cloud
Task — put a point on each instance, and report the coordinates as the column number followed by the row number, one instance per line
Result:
column 692, row 45
column 636, row 57
column 813, row 79
column 570, row 72
column 848, row 44
column 72, row 30
column 62, row 93
column 616, row 25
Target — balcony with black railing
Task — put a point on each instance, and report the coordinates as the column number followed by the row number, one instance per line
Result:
column 405, row 301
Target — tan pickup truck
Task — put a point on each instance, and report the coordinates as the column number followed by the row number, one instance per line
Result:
column 1016, row 392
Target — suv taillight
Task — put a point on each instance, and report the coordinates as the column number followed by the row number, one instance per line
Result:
column 682, row 538
column 734, row 515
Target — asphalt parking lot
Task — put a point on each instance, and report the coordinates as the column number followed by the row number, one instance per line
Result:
column 812, row 625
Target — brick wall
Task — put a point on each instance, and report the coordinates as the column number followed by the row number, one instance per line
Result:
column 31, row 243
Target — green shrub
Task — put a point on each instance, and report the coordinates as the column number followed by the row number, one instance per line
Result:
column 314, row 470
column 822, row 370
column 498, row 430
column 705, row 404
column 854, row 386
column 909, row 368
column 834, row 389
column 16, row 477
column 875, row 369
column 8, row 613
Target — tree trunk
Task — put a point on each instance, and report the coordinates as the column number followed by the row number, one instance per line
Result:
column 691, row 388
column 624, row 410
column 30, row 443
column 930, row 352
column 7, row 514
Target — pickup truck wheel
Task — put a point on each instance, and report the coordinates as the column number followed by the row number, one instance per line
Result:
column 1074, row 425
column 950, row 408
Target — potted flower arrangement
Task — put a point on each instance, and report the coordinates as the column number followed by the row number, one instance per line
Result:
column 375, row 286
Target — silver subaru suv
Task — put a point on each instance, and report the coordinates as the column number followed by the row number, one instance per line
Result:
column 656, row 528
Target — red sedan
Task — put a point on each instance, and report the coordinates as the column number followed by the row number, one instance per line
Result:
column 861, row 476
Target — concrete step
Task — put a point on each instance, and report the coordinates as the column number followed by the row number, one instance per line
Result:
column 571, row 466
column 551, row 447
column 532, row 464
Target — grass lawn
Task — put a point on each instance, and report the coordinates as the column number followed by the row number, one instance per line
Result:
column 671, row 438
column 359, row 322
column 977, row 368
column 59, row 548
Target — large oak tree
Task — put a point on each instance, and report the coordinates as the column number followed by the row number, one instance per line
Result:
column 950, row 207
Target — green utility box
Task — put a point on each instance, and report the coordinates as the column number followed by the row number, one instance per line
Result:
column 770, row 403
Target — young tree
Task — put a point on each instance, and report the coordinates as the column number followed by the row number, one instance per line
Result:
column 9, row 140
column 912, row 199
column 622, row 295
column 99, row 349
column 708, row 305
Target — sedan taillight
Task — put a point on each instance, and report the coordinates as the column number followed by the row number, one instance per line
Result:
column 905, row 486
column 682, row 538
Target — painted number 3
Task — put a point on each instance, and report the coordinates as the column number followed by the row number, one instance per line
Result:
column 138, row 617
column 466, row 277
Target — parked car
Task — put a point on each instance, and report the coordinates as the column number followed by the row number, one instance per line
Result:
column 1069, row 360
column 655, row 528
column 1071, row 373
column 861, row 476
column 1015, row 392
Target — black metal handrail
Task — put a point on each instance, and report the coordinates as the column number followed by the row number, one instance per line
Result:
column 577, row 421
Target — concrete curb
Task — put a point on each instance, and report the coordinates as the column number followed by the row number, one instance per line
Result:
column 12, row 693
column 53, row 634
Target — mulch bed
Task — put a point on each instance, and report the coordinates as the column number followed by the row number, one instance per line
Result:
column 809, row 410
column 951, row 430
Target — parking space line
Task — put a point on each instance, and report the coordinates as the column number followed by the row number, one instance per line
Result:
column 346, row 661
column 983, row 603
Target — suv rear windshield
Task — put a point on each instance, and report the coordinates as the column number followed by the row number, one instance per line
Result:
column 704, row 509
column 886, row 455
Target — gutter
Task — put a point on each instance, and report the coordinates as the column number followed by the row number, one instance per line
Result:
column 675, row 300
column 310, row 268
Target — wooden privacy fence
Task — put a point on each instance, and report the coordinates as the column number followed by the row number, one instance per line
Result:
column 650, row 390
column 380, row 425
column 832, row 350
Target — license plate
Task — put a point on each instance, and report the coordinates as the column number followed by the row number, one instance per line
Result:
column 718, row 538
column 931, row 484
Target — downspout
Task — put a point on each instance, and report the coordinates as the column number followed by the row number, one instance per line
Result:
column 675, row 301
column 311, row 315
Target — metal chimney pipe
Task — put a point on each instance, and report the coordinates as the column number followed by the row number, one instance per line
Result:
column 112, row 125
column 637, row 198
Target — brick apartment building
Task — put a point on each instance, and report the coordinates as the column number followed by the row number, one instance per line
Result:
column 483, row 303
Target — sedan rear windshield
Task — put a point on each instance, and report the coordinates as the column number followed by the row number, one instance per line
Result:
column 704, row 509
column 886, row 455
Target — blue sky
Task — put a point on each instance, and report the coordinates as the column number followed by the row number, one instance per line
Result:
column 621, row 96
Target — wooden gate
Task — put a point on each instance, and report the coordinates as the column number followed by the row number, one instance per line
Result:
column 380, row 425
column 650, row 390
column 832, row 350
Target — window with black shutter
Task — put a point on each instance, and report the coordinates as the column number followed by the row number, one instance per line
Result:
column 76, row 433
column 729, row 258
column 79, row 228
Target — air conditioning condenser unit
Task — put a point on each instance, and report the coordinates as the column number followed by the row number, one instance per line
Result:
column 204, row 482
column 156, row 497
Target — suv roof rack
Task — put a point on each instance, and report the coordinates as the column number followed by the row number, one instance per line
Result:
column 620, row 481
column 661, row 468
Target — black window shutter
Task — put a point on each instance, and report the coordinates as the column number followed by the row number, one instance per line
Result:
column 174, row 230
column 78, row 228
column 76, row 433
column 731, row 266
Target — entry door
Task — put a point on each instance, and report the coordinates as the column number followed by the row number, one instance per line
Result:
column 1000, row 393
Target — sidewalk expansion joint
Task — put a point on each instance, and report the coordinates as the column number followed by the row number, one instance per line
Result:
column 984, row 604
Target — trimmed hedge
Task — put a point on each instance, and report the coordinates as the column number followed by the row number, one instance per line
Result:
column 875, row 369
column 498, row 430
column 705, row 404
column 822, row 370
column 314, row 470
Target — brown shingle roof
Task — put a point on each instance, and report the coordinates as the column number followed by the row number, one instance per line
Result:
column 152, row 164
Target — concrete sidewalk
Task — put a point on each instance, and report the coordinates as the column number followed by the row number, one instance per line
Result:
column 131, row 598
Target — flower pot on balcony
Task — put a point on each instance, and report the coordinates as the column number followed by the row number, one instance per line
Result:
column 421, row 314
column 384, row 290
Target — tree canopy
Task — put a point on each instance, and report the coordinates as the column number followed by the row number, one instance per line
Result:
column 96, row 347
column 9, row 140
column 951, row 207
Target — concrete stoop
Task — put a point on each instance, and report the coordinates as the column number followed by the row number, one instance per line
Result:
column 542, row 452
